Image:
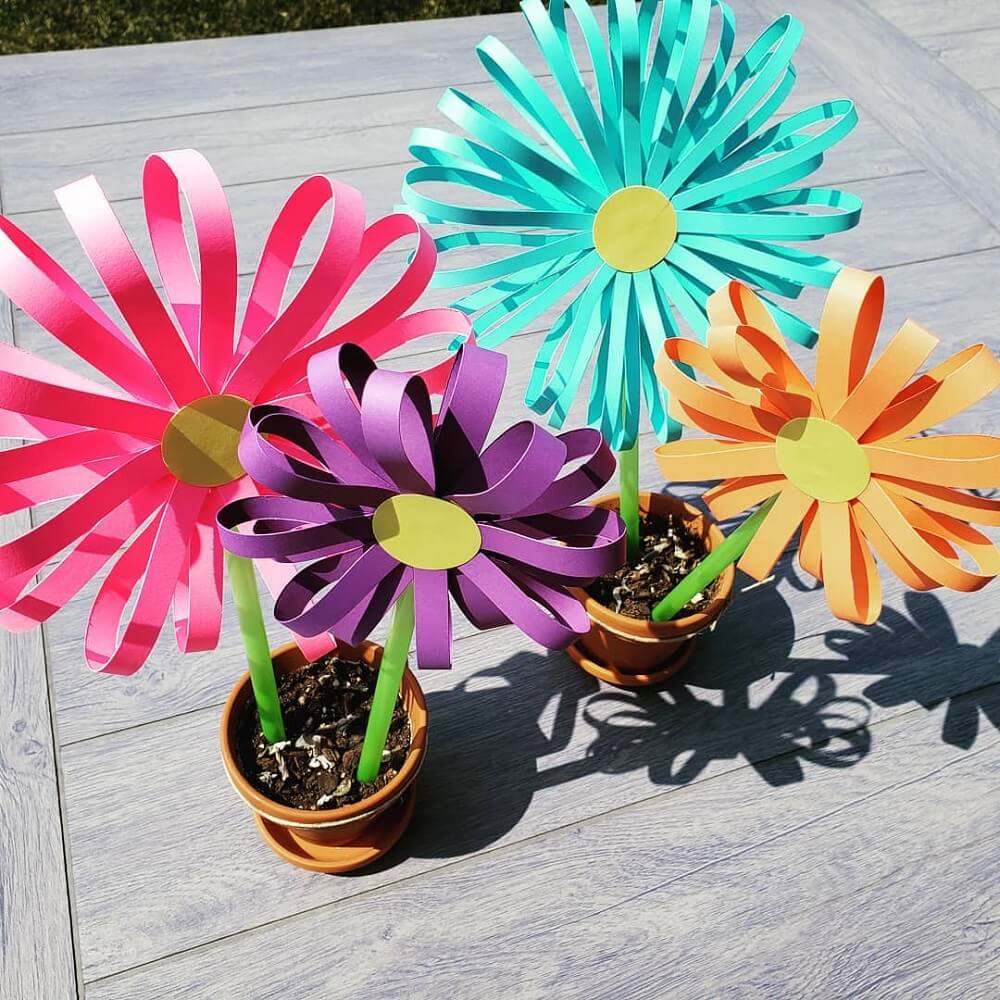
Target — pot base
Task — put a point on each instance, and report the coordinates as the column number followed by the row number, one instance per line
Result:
column 376, row 841
column 611, row 675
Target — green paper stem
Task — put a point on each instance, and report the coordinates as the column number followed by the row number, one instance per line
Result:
column 390, row 676
column 712, row 566
column 265, row 687
column 628, row 502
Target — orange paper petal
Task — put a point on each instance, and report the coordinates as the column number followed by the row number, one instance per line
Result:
column 901, row 520
column 969, row 460
column 703, row 459
column 966, row 506
column 848, row 329
column 853, row 588
column 946, row 390
column 775, row 532
column 733, row 496
column 896, row 365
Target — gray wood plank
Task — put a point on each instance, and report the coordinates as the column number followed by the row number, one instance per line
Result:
column 945, row 124
column 36, row 936
column 294, row 140
column 929, row 16
column 96, row 86
column 730, row 887
column 970, row 54
column 512, row 765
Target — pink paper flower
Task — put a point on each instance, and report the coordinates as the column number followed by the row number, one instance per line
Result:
column 152, row 456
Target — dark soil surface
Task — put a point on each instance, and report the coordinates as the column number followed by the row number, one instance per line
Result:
column 668, row 553
column 325, row 706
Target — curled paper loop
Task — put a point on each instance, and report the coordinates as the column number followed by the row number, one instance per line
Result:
column 608, row 211
column 134, row 459
column 497, row 526
column 839, row 459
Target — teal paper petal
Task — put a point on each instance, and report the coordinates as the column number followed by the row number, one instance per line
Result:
column 524, row 178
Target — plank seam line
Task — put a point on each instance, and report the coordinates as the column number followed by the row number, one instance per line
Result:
column 965, row 756
column 332, row 905
column 56, row 748
column 931, row 154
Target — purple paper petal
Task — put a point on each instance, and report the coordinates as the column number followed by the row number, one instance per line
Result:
column 360, row 622
column 291, row 477
column 329, row 375
column 547, row 614
column 512, row 472
column 576, row 559
column 599, row 466
column 281, row 534
column 396, row 419
column 474, row 604
column 432, row 611
column 347, row 582
column 468, row 408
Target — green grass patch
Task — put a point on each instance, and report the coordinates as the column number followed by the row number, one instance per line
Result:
column 45, row 25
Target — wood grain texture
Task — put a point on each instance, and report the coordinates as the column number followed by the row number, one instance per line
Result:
column 63, row 90
column 809, row 810
column 972, row 55
column 724, row 888
column 510, row 764
column 293, row 140
column 36, row 939
column 946, row 126
column 928, row 16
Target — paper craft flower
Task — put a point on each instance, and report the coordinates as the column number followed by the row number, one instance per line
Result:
column 643, row 197
column 399, row 500
column 152, row 456
column 841, row 457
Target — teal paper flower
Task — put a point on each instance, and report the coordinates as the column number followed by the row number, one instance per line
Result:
column 662, row 179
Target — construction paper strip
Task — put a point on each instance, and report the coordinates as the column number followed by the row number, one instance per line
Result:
column 259, row 664
column 366, row 535
column 712, row 566
column 100, row 234
column 387, row 684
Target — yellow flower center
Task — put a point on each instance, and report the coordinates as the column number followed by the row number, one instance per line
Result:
column 200, row 442
column 635, row 228
column 426, row 532
column 822, row 460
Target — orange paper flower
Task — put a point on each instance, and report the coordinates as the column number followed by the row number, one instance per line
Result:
column 840, row 456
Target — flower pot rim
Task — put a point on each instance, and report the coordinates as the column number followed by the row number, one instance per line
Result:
column 645, row 629
column 416, row 710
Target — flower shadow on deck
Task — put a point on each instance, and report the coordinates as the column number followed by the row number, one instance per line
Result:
column 494, row 730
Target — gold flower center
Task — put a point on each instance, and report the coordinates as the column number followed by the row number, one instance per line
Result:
column 822, row 460
column 200, row 442
column 635, row 228
column 426, row 532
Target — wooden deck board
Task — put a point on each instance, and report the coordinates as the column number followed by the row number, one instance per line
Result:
column 820, row 797
column 877, row 883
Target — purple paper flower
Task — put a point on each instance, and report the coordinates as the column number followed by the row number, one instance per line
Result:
column 397, row 499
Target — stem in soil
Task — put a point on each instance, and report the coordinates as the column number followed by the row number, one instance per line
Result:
column 265, row 687
column 712, row 566
column 628, row 492
column 390, row 676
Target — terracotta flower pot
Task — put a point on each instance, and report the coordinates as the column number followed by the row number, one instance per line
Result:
column 633, row 652
column 330, row 840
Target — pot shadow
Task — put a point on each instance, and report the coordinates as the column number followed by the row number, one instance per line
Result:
column 744, row 697
column 492, row 732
